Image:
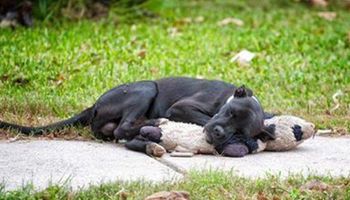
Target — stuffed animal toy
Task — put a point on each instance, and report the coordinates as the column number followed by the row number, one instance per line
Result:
column 172, row 136
column 290, row 131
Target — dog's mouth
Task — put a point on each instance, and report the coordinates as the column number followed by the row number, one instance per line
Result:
column 208, row 137
column 210, row 140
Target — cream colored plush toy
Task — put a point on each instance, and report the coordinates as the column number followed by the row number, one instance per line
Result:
column 290, row 131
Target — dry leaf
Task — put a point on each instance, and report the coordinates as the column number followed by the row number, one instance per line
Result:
column 142, row 53
column 199, row 19
column 330, row 16
column 335, row 97
column 315, row 185
column 174, row 32
column 59, row 79
column 173, row 195
column 183, row 21
column 341, row 131
column 14, row 139
column 319, row 3
column 276, row 198
column 230, row 20
column 133, row 28
column 261, row 196
column 244, row 57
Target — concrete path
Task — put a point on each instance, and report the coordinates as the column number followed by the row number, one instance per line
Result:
column 84, row 163
column 321, row 155
column 79, row 163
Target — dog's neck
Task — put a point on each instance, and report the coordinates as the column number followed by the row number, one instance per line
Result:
column 232, row 97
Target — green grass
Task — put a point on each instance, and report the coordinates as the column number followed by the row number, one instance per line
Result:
column 58, row 68
column 206, row 185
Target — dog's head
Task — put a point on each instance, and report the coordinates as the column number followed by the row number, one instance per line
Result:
column 241, row 115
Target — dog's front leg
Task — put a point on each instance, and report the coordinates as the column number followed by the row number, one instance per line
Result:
column 189, row 111
column 141, row 144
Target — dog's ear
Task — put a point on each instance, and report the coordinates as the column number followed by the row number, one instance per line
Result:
column 242, row 91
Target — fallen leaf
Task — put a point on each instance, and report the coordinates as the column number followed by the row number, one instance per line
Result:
column 98, row 10
column 183, row 21
column 173, row 195
column 347, row 4
column 315, row 185
column 154, row 70
column 261, row 196
column 14, row 139
column 243, row 57
column 330, row 16
column 133, row 28
column 59, row 79
column 142, row 53
column 4, row 77
column 341, row 131
column 174, row 32
column 335, row 99
column 319, row 3
column 199, row 19
column 230, row 20
column 50, row 136
column 133, row 40
column 276, row 198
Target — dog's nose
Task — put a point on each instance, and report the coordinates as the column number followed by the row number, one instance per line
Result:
column 218, row 131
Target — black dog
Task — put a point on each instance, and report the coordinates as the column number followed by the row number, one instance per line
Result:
column 233, row 131
column 116, row 114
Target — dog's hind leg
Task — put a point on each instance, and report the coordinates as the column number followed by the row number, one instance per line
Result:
column 124, row 106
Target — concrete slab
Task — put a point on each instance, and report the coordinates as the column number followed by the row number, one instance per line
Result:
column 321, row 155
column 75, row 162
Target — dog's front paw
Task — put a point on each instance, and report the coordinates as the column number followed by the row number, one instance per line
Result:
column 152, row 133
column 154, row 149
column 261, row 146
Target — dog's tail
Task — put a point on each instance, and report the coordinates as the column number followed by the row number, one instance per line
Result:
column 82, row 119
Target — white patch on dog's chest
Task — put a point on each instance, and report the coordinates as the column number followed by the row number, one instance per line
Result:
column 232, row 97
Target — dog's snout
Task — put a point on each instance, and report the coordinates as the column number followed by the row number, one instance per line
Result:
column 218, row 131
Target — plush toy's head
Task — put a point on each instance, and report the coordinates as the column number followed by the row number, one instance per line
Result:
column 290, row 131
column 242, row 114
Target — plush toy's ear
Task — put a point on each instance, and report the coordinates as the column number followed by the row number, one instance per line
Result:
column 268, row 133
column 242, row 91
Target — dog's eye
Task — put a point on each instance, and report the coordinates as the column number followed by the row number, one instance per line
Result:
column 233, row 114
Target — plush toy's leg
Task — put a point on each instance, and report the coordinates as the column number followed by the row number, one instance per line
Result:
column 235, row 150
column 143, row 145
column 152, row 133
